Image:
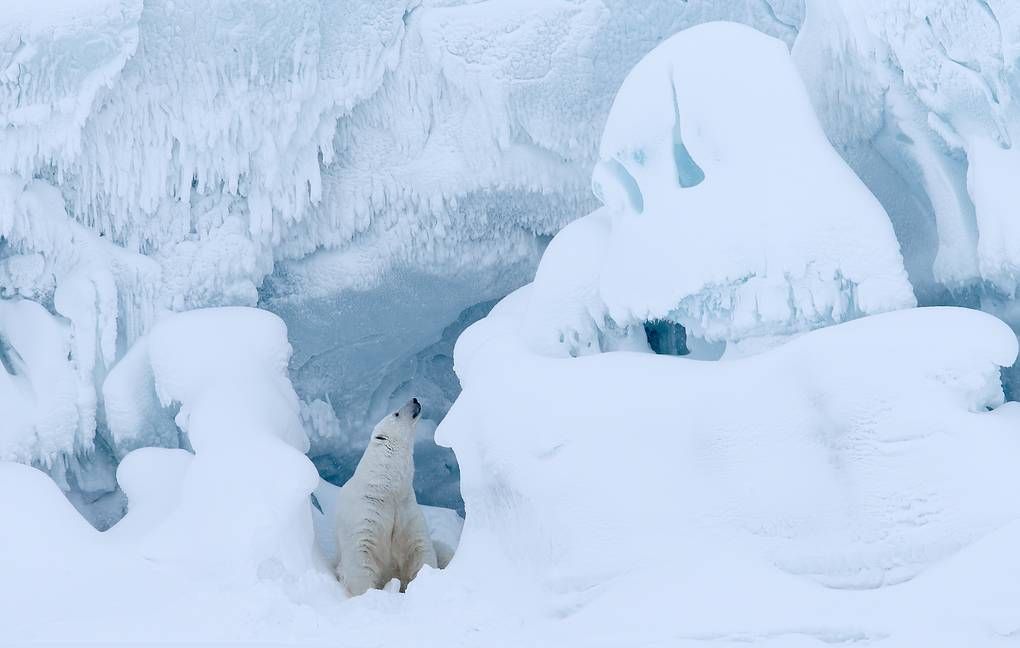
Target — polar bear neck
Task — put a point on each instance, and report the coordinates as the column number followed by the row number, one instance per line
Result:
column 387, row 466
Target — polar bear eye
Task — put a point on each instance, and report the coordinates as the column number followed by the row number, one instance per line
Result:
column 381, row 438
column 396, row 414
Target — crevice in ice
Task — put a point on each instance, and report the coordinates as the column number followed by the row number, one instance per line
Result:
column 623, row 179
column 9, row 358
column 688, row 173
column 792, row 22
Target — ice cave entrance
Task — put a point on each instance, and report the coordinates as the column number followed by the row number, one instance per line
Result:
column 667, row 338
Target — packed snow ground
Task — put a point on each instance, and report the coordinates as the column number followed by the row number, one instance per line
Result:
column 853, row 483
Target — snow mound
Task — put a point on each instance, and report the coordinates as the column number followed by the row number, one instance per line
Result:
column 244, row 507
column 151, row 478
column 134, row 415
column 856, row 456
column 688, row 161
column 40, row 525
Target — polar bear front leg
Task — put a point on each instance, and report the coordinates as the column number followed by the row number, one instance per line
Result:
column 357, row 565
column 412, row 545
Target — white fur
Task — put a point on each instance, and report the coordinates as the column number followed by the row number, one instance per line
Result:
column 381, row 531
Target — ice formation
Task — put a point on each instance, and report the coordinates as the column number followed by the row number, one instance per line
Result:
column 377, row 174
column 853, row 457
column 172, row 155
column 687, row 161
column 925, row 91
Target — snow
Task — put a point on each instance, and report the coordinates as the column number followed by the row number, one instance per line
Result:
column 39, row 386
column 182, row 155
column 930, row 86
column 858, row 459
column 134, row 415
column 227, row 370
column 234, row 234
column 687, row 161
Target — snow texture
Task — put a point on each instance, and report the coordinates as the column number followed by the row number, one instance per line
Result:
column 929, row 88
column 821, row 481
column 172, row 155
column 687, row 161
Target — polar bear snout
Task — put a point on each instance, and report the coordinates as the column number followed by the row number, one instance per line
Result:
column 411, row 410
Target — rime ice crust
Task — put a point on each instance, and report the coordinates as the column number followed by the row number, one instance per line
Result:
column 933, row 116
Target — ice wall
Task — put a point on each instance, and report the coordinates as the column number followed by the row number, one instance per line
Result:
column 922, row 94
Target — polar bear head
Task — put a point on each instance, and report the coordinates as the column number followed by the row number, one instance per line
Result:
column 398, row 428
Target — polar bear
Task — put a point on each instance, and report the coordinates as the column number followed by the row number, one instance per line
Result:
column 381, row 530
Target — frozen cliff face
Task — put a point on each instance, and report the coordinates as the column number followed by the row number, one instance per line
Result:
column 921, row 97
